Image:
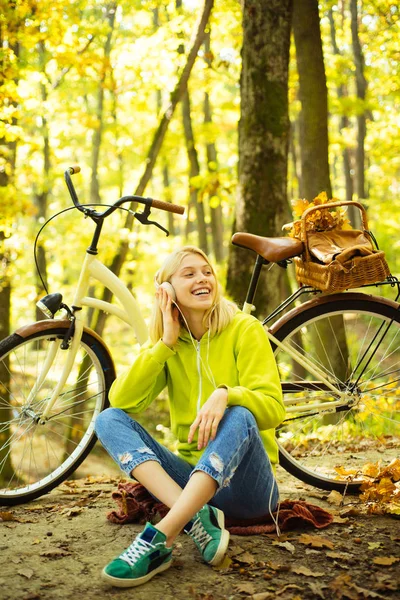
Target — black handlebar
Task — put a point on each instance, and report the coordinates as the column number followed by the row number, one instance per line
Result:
column 94, row 214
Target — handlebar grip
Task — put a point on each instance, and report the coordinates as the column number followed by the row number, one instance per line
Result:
column 168, row 206
column 74, row 169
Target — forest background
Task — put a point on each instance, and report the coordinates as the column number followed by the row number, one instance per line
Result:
column 284, row 100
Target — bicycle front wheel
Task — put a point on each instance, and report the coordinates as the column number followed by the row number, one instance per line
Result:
column 38, row 454
column 337, row 441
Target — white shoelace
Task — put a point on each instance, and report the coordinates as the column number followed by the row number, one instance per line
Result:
column 199, row 534
column 135, row 551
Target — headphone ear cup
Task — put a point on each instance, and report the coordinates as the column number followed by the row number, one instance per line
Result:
column 168, row 287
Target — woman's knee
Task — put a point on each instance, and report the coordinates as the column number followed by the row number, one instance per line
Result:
column 242, row 414
column 107, row 419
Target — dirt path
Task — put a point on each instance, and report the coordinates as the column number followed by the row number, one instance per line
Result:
column 56, row 547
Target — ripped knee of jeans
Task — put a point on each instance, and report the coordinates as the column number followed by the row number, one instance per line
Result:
column 127, row 457
column 216, row 462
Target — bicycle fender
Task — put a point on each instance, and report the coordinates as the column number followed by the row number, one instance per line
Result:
column 329, row 298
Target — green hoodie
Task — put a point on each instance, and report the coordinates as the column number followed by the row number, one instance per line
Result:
column 239, row 358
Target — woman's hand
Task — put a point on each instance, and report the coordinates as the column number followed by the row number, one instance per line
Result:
column 170, row 314
column 209, row 417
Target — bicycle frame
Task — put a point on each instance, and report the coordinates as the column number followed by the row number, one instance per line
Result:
column 344, row 398
column 248, row 308
column 129, row 313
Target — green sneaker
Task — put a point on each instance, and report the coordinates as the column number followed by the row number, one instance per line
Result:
column 144, row 558
column 208, row 532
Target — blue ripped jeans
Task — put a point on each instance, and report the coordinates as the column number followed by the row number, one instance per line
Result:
column 236, row 459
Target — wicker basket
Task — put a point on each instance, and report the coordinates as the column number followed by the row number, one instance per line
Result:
column 333, row 277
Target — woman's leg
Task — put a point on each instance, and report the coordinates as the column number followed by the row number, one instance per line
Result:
column 161, row 472
column 198, row 491
column 164, row 474
column 237, row 460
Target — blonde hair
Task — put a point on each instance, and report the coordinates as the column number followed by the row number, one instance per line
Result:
column 216, row 318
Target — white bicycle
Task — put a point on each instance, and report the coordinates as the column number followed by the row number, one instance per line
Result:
column 338, row 355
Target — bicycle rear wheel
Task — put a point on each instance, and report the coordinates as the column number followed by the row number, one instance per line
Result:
column 355, row 340
column 35, row 457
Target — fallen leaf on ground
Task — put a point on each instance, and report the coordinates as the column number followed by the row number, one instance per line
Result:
column 226, row 563
column 235, row 550
column 338, row 520
column 245, row 558
column 263, row 596
column 385, row 561
column 25, row 572
column 286, row 545
column 384, row 581
column 315, row 541
column 393, row 508
column 301, row 570
column 317, row 588
column 351, row 511
column 339, row 555
column 289, row 586
column 8, row 516
column 335, row 498
column 374, row 545
column 245, row 588
column 343, row 587
column 71, row 512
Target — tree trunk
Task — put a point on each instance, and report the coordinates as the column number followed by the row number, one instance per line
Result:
column 98, row 131
column 354, row 214
column 314, row 130
column 6, row 469
column 295, row 162
column 263, row 140
column 217, row 228
column 194, row 171
column 361, row 84
column 313, row 97
column 154, row 150
column 8, row 151
column 167, row 196
column 41, row 196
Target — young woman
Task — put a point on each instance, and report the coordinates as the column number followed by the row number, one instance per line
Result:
column 225, row 401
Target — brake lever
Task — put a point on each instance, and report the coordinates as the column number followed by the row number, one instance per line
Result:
column 143, row 217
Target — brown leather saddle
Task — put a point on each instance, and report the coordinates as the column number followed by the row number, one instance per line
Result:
column 275, row 250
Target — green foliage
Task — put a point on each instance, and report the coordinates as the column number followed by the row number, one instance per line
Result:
column 52, row 63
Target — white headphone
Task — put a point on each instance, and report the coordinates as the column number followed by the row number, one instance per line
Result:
column 168, row 287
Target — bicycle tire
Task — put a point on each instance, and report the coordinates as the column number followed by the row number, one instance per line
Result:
column 34, row 457
column 342, row 451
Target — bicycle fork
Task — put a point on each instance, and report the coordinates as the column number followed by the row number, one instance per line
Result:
column 52, row 352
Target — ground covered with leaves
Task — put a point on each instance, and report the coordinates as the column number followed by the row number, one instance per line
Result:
column 56, row 546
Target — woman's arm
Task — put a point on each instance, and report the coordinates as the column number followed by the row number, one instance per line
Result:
column 135, row 389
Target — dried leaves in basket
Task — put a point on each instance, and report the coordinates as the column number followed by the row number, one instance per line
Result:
column 320, row 220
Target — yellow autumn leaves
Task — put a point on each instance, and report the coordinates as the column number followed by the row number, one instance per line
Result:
column 319, row 220
column 380, row 486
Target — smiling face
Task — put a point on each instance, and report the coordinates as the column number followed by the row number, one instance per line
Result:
column 194, row 283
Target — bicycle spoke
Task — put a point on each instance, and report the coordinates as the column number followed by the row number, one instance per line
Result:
column 33, row 452
column 360, row 352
